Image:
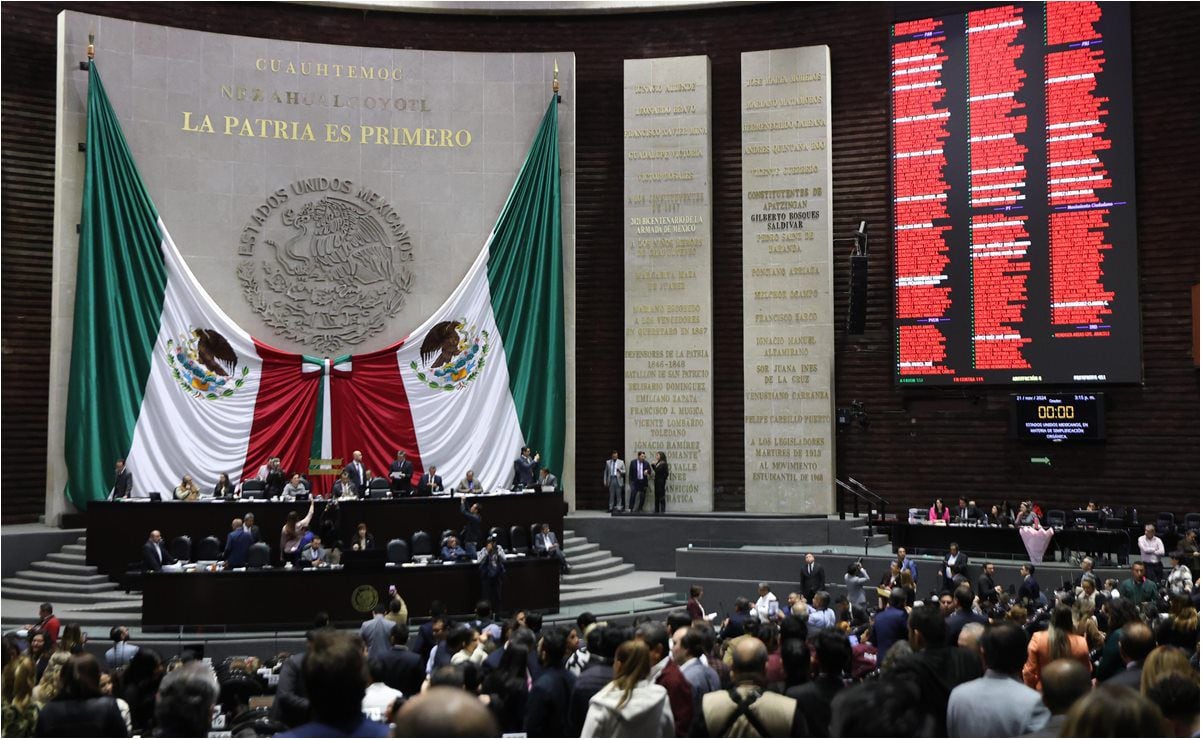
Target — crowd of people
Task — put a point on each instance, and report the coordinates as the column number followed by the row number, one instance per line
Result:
column 354, row 480
column 952, row 658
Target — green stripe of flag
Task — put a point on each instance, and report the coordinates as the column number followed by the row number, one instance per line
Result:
column 525, row 273
column 120, row 284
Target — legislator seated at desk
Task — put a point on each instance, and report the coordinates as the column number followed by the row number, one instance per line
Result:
column 469, row 484
column 547, row 481
column 344, row 487
column 187, row 490
column 547, row 546
column 452, row 553
column 431, row 483
column 313, row 555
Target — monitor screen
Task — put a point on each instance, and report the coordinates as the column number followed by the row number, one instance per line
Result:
column 1014, row 234
column 1058, row 417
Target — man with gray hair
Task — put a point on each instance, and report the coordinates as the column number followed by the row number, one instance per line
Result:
column 1086, row 569
column 183, row 706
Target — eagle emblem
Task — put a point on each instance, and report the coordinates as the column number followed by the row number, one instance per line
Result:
column 336, row 269
column 452, row 355
column 205, row 365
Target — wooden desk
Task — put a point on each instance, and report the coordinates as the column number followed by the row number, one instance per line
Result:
column 118, row 529
column 288, row 599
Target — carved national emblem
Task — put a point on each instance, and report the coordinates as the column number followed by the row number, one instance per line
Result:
column 452, row 355
column 205, row 365
column 333, row 270
column 364, row 598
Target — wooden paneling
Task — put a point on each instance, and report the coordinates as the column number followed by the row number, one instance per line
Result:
column 920, row 444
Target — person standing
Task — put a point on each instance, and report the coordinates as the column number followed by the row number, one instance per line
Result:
column 492, row 573
column 855, row 578
column 358, row 473
column 550, row 694
column 661, row 471
column 640, row 477
column 952, row 560
column 473, row 530
column 999, row 704
column 237, row 546
column 1137, row 588
column 123, row 486
column 400, row 475
column 1151, row 550
column 813, row 577
column 272, row 476
column 336, row 678
column 629, row 705
column 154, row 555
column 122, row 650
column 524, row 467
column 615, row 478
column 377, row 633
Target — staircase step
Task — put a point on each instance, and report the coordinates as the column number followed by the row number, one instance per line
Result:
column 57, row 587
column 82, row 540
column 595, row 566
column 598, row 575
column 597, row 595
column 26, row 594
column 81, row 550
column 587, row 557
column 59, row 567
column 66, row 557
column 53, row 577
column 577, row 550
column 568, row 533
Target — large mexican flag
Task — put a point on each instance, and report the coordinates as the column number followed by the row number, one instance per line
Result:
column 161, row 376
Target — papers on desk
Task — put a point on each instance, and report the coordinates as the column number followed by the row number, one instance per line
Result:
column 710, row 616
column 173, row 568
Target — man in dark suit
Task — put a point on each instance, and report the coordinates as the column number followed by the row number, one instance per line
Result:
column 550, row 695
column 965, row 512
column 403, row 669
column 986, row 583
column 524, row 467
column 667, row 674
column 963, row 615
column 237, row 545
column 952, row 560
column 400, row 477
column 640, row 478
column 1135, row 644
column 251, row 528
column 123, row 487
column 547, row 546
column 154, row 553
column 813, row 577
column 431, row 482
column 357, row 472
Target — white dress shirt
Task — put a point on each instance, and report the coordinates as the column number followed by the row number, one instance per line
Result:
column 1151, row 549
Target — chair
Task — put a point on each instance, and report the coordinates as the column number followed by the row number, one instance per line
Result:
column 1192, row 521
column 519, row 538
column 181, row 548
column 378, row 488
column 253, row 488
column 398, row 551
column 258, row 722
column 209, row 549
column 1165, row 523
column 502, row 537
column 535, row 528
column 259, row 555
column 447, row 534
column 421, row 543
column 1057, row 518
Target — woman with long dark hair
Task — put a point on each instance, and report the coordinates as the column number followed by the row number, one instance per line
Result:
column 80, row 709
column 508, row 688
column 660, row 472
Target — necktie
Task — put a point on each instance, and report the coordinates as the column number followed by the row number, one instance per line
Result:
column 811, row 569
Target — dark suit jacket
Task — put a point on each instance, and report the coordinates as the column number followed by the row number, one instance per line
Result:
column 546, row 710
column 679, row 695
column 592, row 679
column 947, row 561
column 99, row 717
column 1131, row 677
column 429, row 486
column 403, row 670
column 357, row 475
column 291, row 705
column 523, row 471
column 150, row 559
column 405, row 483
column 813, row 699
column 237, row 548
column 632, row 477
column 812, row 582
column 985, row 584
column 123, row 487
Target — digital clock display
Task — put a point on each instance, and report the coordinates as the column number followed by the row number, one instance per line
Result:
column 1058, row 417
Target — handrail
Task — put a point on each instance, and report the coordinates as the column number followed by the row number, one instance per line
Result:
column 864, row 489
column 859, row 492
